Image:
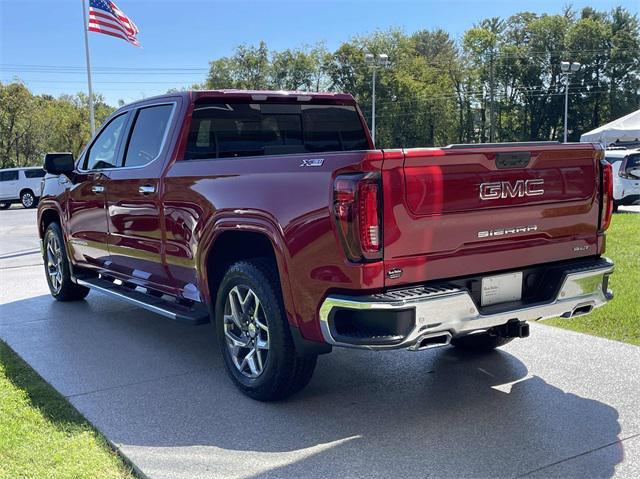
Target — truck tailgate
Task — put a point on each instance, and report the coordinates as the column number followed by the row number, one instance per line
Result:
column 465, row 210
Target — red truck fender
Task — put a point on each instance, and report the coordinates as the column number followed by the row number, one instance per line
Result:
column 256, row 223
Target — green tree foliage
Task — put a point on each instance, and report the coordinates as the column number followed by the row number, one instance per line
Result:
column 31, row 125
column 436, row 90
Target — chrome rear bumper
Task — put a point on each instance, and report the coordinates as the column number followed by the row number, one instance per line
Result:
column 444, row 310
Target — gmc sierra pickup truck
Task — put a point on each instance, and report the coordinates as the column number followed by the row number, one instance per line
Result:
column 273, row 215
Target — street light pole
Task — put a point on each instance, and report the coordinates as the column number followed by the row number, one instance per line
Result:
column 374, row 62
column 567, row 68
column 566, row 104
column 373, row 109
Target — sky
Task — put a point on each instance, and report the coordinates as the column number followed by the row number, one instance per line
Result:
column 42, row 42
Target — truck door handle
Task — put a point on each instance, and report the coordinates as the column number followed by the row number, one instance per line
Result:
column 97, row 189
column 146, row 189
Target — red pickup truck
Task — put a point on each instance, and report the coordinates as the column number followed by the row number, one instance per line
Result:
column 273, row 215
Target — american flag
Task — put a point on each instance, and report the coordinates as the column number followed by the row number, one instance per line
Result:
column 105, row 17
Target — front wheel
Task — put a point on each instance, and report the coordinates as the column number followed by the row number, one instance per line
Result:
column 56, row 266
column 254, row 336
column 5, row 206
column 480, row 342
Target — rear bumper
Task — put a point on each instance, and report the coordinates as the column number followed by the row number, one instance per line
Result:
column 443, row 311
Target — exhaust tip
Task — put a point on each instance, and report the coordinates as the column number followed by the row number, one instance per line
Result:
column 434, row 340
column 581, row 310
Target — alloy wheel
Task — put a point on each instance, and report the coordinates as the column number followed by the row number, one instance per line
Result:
column 27, row 200
column 54, row 263
column 246, row 331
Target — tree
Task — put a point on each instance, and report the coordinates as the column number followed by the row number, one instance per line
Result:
column 32, row 125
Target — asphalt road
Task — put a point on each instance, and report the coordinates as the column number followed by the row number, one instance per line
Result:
column 558, row 404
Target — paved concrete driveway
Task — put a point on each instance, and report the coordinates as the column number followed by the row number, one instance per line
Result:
column 558, row 404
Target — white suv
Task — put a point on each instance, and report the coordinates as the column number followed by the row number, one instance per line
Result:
column 22, row 185
column 626, row 176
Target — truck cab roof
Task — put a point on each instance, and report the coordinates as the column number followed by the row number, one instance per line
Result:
column 251, row 95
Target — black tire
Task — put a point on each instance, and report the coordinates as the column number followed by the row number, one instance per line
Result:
column 5, row 206
column 28, row 199
column 66, row 290
column 480, row 342
column 615, row 206
column 284, row 372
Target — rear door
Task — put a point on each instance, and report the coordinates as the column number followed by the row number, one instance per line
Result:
column 459, row 211
column 134, row 212
column 9, row 184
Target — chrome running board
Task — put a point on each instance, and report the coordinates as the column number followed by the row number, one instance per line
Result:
column 196, row 314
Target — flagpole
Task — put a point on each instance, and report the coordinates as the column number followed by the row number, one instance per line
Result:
column 92, row 120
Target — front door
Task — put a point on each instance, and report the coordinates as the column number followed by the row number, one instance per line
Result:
column 87, row 218
column 133, row 200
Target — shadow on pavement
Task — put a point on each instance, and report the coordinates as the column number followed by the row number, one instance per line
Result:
column 19, row 253
column 151, row 383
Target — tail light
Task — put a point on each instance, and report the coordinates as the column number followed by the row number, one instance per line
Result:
column 606, row 205
column 356, row 206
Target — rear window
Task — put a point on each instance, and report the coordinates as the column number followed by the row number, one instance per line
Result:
column 228, row 130
column 34, row 173
column 9, row 175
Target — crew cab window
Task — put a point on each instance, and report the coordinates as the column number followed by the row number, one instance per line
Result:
column 227, row 130
column 34, row 173
column 147, row 135
column 9, row 175
column 103, row 150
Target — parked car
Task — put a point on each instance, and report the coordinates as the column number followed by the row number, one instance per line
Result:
column 626, row 176
column 20, row 185
column 273, row 215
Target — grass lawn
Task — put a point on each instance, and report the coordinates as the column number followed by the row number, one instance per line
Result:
column 620, row 319
column 42, row 435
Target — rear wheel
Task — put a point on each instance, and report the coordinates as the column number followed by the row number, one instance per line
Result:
column 56, row 266
column 615, row 206
column 254, row 336
column 480, row 342
column 28, row 199
column 5, row 206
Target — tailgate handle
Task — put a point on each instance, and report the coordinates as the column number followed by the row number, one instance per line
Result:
column 513, row 159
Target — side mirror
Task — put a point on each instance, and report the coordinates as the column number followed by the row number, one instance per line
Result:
column 59, row 163
column 635, row 173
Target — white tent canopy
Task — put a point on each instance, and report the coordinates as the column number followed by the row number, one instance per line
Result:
column 626, row 128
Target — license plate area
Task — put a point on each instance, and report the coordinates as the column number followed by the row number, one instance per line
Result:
column 501, row 288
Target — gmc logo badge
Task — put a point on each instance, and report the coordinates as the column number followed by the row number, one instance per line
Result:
column 507, row 189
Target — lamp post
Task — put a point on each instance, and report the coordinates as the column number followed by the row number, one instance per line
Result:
column 567, row 69
column 374, row 62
